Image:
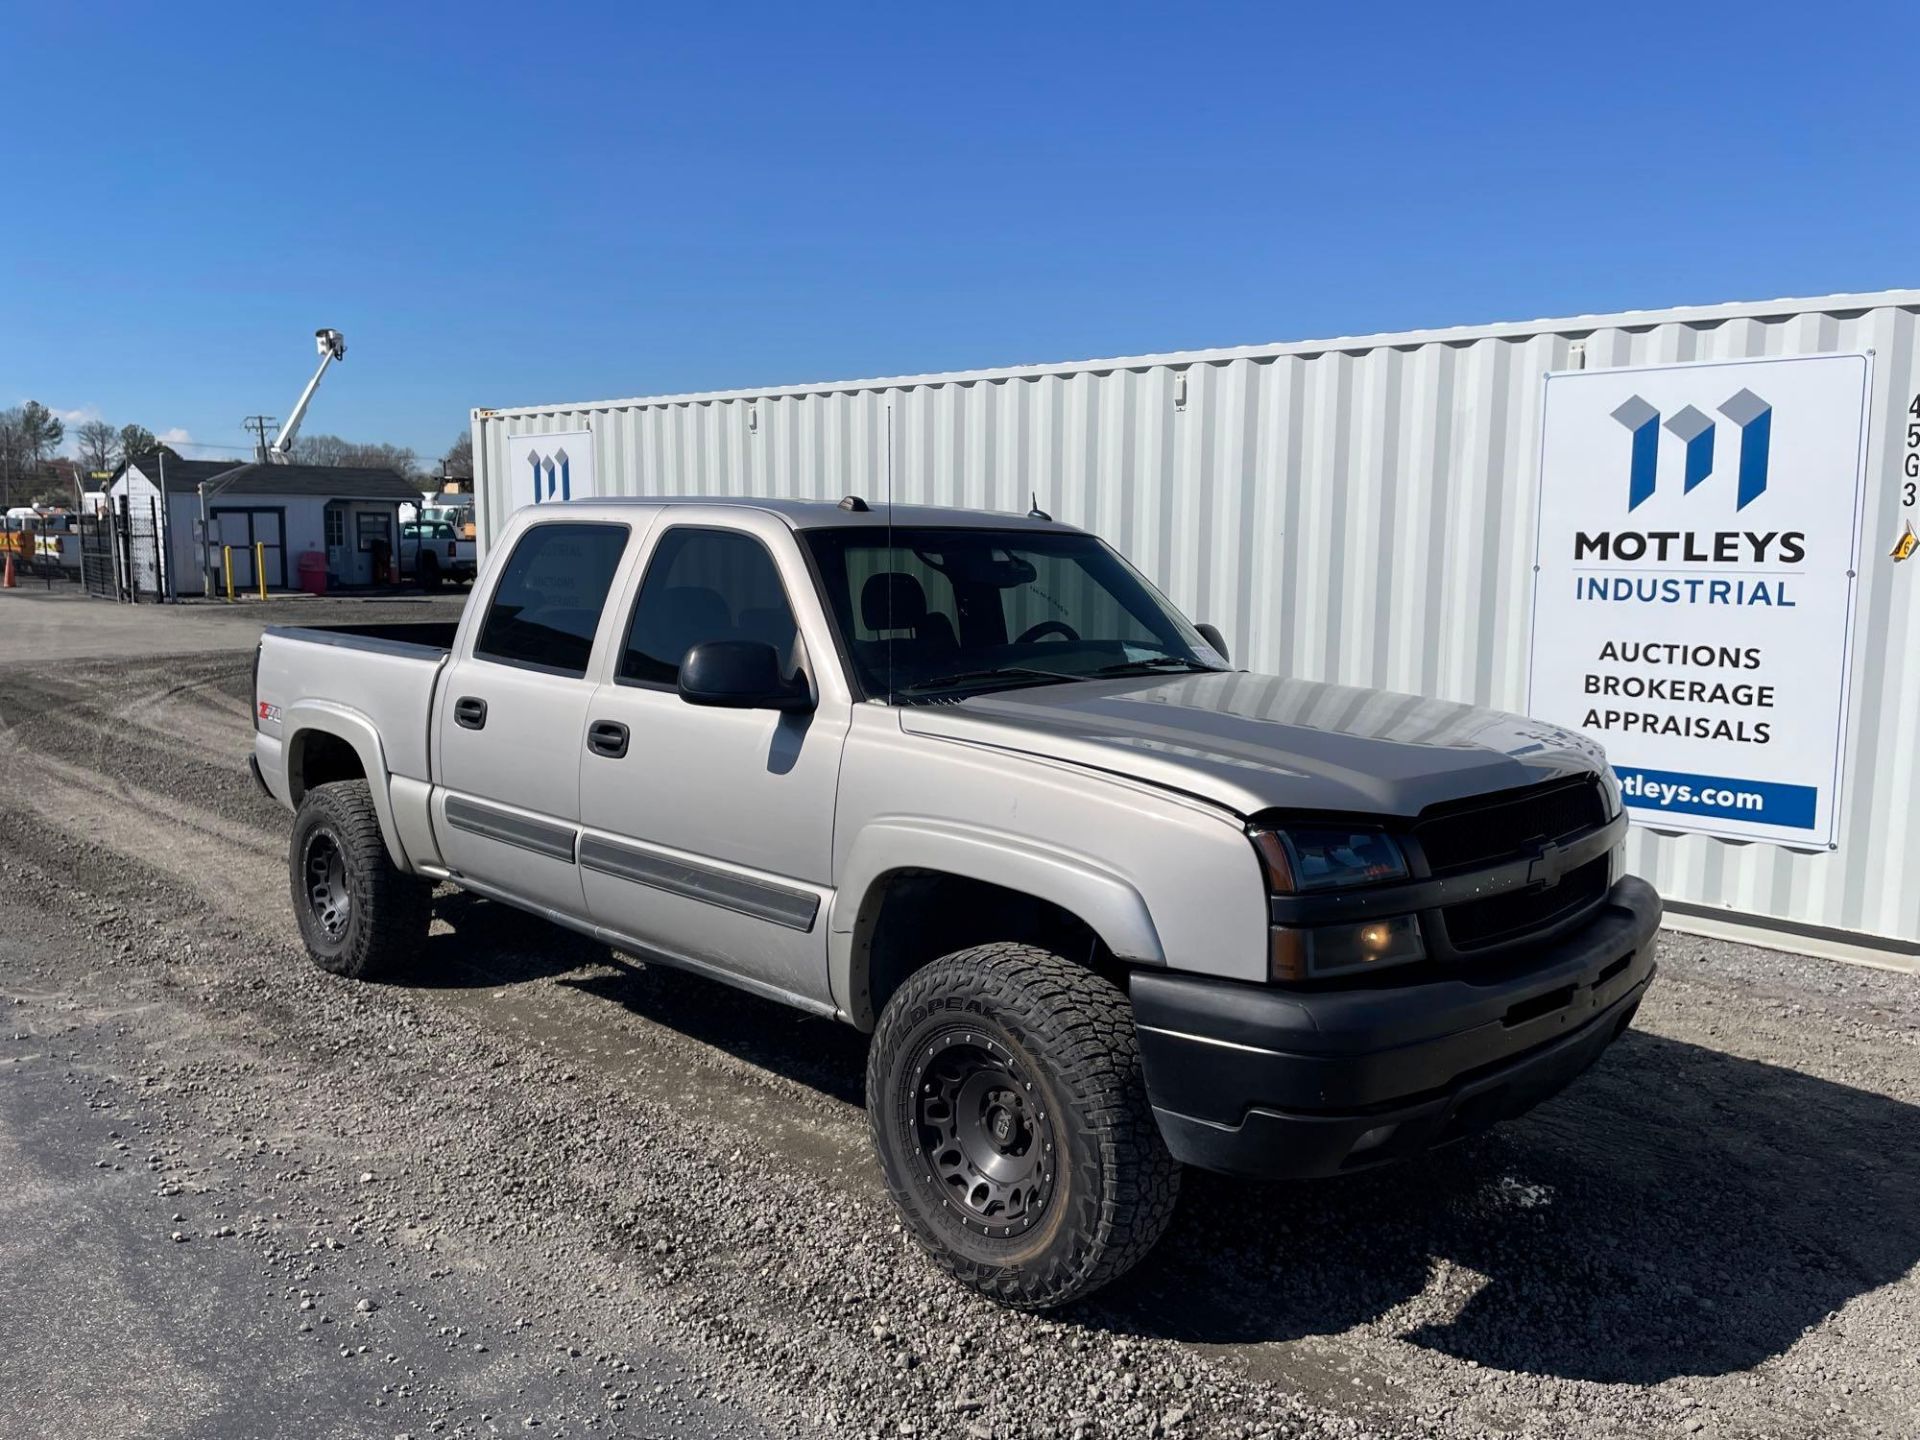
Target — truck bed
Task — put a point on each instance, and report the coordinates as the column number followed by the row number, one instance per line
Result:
column 383, row 674
column 435, row 635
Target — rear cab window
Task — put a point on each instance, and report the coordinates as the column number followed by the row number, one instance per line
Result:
column 547, row 606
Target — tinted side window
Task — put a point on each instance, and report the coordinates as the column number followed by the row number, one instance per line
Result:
column 704, row 585
column 549, row 599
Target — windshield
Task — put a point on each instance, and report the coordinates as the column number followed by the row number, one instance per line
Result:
column 927, row 613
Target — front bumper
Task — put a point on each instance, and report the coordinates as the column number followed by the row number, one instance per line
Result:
column 1255, row 1080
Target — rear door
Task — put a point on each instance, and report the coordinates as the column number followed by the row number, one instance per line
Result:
column 709, row 832
column 511, row 721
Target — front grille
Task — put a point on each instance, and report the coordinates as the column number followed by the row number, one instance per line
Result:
column 1498, row 919
column 1491, row 828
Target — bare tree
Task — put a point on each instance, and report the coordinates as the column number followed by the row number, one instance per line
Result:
column 332, row 450
column 457, row 463
column 99, row 445
column 322, row 450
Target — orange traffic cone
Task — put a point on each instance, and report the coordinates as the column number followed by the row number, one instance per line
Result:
column 10, row 583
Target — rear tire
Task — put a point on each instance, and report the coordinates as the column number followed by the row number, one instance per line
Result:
column 429, row 573
column 360, row 915
column 1010, row 1114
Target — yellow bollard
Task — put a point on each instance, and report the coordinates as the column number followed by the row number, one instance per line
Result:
column 226, row 556
column 260, row 565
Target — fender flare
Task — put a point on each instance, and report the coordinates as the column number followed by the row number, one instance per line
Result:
column 323, row 717
column 1106, row 901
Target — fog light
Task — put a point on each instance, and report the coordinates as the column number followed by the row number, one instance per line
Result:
column 1318, row 952
column 1373, row 1139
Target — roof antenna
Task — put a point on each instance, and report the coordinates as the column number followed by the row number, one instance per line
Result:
column 1036, row 513
column 890, row 556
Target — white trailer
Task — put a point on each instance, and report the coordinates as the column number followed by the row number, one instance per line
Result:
column 1367, row 510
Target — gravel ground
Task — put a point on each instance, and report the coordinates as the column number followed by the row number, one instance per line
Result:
column 540, row 1188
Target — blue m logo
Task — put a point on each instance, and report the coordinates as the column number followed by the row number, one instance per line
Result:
column 1751, row 416
column 552, row 475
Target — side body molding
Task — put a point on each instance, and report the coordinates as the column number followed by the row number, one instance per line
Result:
column 310, row 716
column 1105, row 900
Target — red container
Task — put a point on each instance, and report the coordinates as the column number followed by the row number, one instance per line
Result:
column 312, row 567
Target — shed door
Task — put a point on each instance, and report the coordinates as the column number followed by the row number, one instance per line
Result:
column 245, row 528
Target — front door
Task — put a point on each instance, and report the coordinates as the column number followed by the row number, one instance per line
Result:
column 511, row 721
column 710, row 834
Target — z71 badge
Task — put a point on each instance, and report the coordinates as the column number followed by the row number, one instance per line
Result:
column 269, row 711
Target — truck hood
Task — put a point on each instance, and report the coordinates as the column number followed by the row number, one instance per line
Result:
column 1259, row 742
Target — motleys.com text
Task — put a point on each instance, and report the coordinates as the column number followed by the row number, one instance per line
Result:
column 1763, row 802
column 1665, row 793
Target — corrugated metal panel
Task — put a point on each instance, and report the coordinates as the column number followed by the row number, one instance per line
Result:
column 1357, row 510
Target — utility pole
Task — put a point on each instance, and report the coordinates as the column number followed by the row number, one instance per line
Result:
column 162, row 557
column 260, row 424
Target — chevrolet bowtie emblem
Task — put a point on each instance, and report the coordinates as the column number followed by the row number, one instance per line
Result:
column 1548, row 866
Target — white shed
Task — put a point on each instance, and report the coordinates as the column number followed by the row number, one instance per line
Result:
column 349, row 513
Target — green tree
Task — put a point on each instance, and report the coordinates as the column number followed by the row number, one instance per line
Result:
column 14, row 464
column 43, row 430
column 134, row 440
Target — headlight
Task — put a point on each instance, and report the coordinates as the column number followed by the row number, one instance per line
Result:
column 1302, row 861
column 1308, row 859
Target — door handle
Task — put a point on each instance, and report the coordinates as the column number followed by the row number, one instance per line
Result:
column 470, row 712
column 608, row 738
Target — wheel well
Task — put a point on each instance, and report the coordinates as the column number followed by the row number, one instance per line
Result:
column 320, row 758
column 916, row 916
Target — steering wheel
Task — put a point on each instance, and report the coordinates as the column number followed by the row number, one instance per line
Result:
column 1048, row 627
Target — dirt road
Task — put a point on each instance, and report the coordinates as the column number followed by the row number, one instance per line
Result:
column 540, row 1188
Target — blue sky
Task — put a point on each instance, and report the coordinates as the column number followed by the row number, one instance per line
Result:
column 506, row 206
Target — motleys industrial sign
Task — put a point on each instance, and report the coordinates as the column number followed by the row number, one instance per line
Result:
column 1694, row 584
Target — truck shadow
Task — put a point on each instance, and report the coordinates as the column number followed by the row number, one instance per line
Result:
column 1678, row 1211
column 494, row 945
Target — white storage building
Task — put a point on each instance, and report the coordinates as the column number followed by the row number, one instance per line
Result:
column 351, row 513
column 1369, row 511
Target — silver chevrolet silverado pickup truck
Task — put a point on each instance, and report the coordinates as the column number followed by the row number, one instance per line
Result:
column 968, row 782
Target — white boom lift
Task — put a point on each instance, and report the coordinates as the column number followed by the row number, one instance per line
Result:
column 332, row 346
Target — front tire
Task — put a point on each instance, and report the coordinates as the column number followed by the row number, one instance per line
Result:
column 1009, row 1111
column 360, row 915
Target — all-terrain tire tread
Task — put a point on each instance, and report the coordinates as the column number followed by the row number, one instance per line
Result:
column 392, row 909
column 1082, row 1024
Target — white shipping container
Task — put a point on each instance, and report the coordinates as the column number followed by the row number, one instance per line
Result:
column 1358, row 510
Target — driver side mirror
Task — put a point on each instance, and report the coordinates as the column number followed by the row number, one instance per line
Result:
column 740, row 675
column 1211, row 634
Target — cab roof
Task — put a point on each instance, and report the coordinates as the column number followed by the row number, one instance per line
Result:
column 835, row 514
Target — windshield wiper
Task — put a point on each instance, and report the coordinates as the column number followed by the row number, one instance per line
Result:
column 1151, row 663
column 997, row 672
